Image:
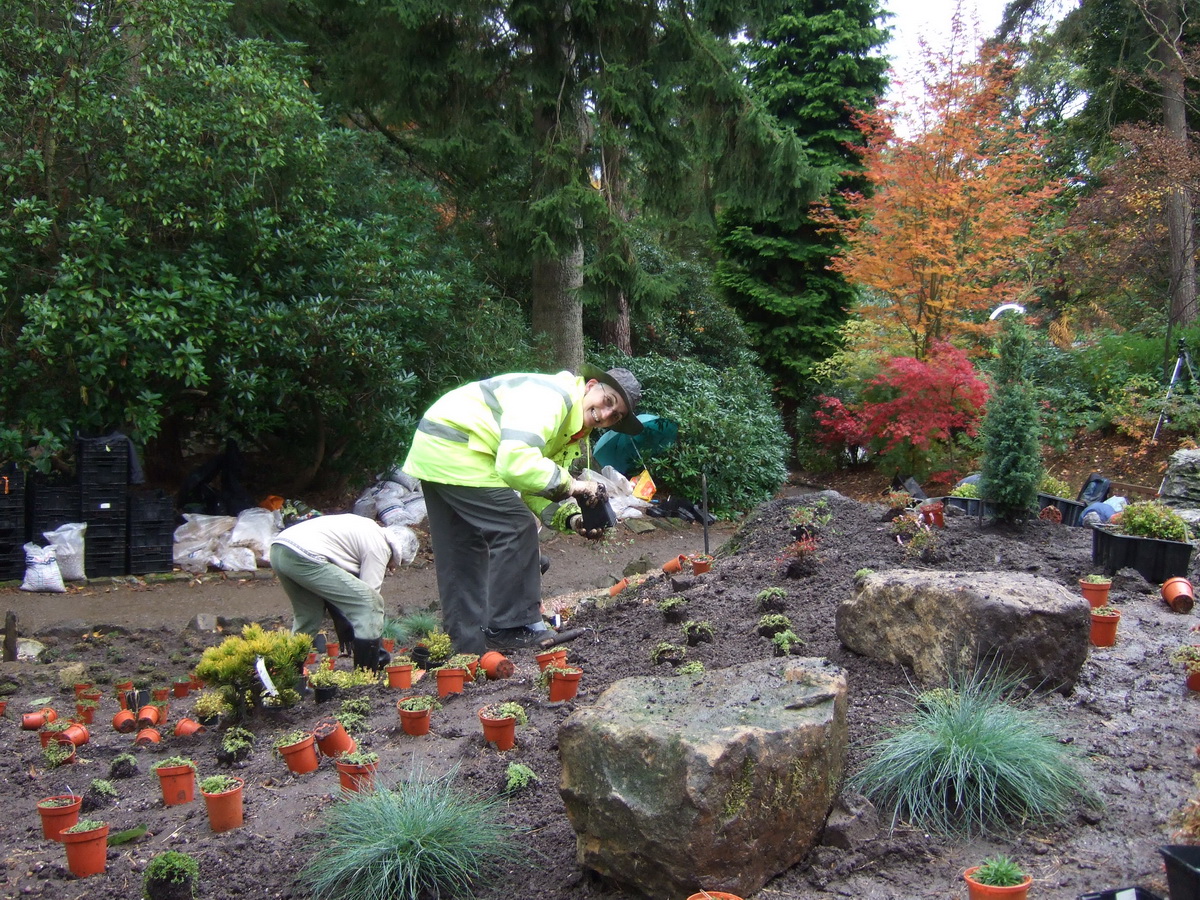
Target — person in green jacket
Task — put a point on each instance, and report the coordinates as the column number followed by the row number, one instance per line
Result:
column 490, row 455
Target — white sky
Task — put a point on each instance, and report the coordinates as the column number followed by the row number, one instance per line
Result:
column 913, row 19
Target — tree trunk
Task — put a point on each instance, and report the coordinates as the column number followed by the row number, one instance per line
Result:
column 616, row 330
column 557, row 307
column 1165, row 20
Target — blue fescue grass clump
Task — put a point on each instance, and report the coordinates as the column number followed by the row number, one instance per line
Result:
column 968, row 759
column 426, row 839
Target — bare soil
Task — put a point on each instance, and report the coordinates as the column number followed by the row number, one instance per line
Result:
column 1130, row 717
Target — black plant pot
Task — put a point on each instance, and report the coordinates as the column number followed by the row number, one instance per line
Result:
column 1183, row 870
column 166, row 889
column 325, row 694
column 420, row 656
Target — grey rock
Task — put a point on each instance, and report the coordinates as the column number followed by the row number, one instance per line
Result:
column 852, row 822
column 203, row 622
column 722, row 782
column 943, row 623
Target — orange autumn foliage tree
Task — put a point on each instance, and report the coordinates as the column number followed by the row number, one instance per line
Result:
column 950, row 228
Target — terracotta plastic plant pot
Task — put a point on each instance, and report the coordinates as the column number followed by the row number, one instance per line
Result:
column 82, row 687
column 933, row 514
column 674, row 565
column 182, row 688
column 84, row 714
column 147, row 716
column 3, row 706
column 1179, row 595
column 225, row 810
column 1193, row 681
column 1104, row 630
column 414, row 721
column 124, row 721
column 186, row 727
column 564, row 685
column 618, row 587
column 496, row 665
column 399, row 675
column 121, row 689
column 715, row 895
column 330, row 662
column 450, row 681
column 161, row 694
column 545, row 659
column 91, row 695
column 147, row 736
column 355, row 776
column 33, row 721
column 47, row 736
column 332, row 739
column 301, row 757
column 472, row 668
column 87, row 851
column 56, row 819
column 388, row 644
column 1095, row 594
column 977, row 891
column 333, row 648
column 312, row 657
column 501, row 732
column 178, row 784
column 701, row 564
column 76, row 733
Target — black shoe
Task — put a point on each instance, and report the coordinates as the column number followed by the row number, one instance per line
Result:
column 515, row 638
column 544, row 562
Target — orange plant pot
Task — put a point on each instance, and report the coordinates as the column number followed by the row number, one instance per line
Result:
column 178, row 784
column 82, row 687
column 1193, row 681
column 147, row 736
column 450, row 681
column 1179, row 594
column 1104, row 630
column 147, row 716
column 124, row 721
column 186, row 727
column 161, row 694
column 1095, row 594
column 32, row 721
column 715, row 895
column 333, row 648
column 87, row 851
column 355, row 776
column 3, row 706
column 564, row 685
column 332, row 739
column 182, row 688
column 56, row 819
column 399, row 676
column 121, row 689
column 301, row 757
column 701, row 564
column 76, row 733
column 388, row 644
column 674, row 565
column 496, row 665
column 415, row 722
column 545, row 659
column 84, row 714
column 501, row 732
column 90, row 695
column 977, row 891
column 225, row 810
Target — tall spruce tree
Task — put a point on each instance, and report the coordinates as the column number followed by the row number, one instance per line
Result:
column 525, row 108
column 813, row 67
column 1012, row 458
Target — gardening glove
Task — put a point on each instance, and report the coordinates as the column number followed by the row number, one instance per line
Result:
column 589, row 492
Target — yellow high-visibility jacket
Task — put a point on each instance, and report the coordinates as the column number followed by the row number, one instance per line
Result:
column 518, row 431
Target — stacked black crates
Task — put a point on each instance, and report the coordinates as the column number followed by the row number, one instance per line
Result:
column 12, row 523
column 151, row 532
column 103, row 469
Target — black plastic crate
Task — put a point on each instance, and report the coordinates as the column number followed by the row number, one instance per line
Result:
column 1125, row 893
column 103, row 462
column 12, row 553
column 151, row 507
column 149, row 560
column 51, row 505
column 1156, row 560
column 103, row 504
column 155, row 535
column 105, row 559
column 1183, row 870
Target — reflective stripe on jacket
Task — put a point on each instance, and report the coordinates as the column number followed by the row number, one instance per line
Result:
column 501, row 432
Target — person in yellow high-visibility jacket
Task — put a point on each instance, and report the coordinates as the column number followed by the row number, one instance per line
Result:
column 472, row 449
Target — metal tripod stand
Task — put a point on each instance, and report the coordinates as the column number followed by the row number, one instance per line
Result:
column 1183, row 359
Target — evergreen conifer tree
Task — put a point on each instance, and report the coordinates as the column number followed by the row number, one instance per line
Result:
column 813, row 68
column 1012, row 459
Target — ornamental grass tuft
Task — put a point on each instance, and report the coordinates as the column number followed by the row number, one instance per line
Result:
column 969, row 760
column 428, row 838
